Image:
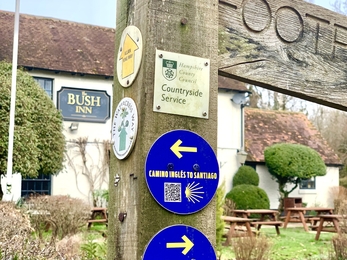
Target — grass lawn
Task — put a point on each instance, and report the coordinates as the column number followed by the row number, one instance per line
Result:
column 292, row 244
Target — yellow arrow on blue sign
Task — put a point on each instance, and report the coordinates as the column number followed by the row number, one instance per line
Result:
column 187, row 245
column 176, row 149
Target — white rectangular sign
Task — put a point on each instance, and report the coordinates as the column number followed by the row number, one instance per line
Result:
column 181, row 84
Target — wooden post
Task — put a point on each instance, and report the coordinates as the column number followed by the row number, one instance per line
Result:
column 185, row 27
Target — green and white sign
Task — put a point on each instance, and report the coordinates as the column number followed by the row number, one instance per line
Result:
column 124, row 128
column 181, row 84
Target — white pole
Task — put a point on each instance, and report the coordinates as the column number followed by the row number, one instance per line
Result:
column 8, row 195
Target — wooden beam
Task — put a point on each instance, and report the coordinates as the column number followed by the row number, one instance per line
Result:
column 289, row 46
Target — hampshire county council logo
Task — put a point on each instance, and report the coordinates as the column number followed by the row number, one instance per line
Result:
column 169, row 69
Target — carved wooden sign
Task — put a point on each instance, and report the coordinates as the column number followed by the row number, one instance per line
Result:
column 289, row 46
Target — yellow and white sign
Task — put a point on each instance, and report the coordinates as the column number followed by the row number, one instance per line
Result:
column 181, row 84
column 129, row 55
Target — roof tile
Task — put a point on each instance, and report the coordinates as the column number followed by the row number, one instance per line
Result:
column 58, row 45
column 264, row 128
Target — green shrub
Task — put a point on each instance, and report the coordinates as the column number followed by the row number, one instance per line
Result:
column 343, row 182
column 219, row 213
column 246, row 175
column 248, row 196
column 293, row 161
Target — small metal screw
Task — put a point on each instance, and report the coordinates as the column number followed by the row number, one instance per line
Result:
column 196, row 167
column 131, row 137
column 137, row 39
column 184, row 21
column 204, row 114
column 127, row 82
column 170, row 166
column 158, row 107
column 160, row 55
column 206, row 63
column 120, row 49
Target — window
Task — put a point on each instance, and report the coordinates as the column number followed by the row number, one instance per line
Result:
column 46, row 84
column 308, row 184
column 40, row 185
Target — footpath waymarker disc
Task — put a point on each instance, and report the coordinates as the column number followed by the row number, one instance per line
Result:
column 124, row 128
column 182, row 171
column 179, row 242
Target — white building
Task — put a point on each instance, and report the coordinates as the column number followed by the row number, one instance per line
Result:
column 74, row 64
column 253, row 130
column 266, row 127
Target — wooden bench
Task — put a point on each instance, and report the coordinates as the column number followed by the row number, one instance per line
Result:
column 234, row 223
column 276, row 224
column 101, row 212
column 313, row 221
column 330, row 219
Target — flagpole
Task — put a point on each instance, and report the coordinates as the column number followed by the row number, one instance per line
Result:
column 8, row 194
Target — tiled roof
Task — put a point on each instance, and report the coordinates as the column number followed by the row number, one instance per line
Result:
column 52, row 44
column 231, row 84
column 57, row 45
column 266, row 127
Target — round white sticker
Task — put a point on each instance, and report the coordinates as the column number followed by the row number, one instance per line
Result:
column 124, row 128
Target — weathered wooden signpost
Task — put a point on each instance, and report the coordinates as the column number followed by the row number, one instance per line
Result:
column 289, row 46
column 165, row 102
column 173, row 85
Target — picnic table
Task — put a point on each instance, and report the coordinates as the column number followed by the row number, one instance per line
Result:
column 297, row 215
column 101, row 212
column 331, row 219
column 235, row 222
column 267, row 217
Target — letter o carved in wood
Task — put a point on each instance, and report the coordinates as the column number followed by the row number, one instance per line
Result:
column 289, row 24
column 256, row 15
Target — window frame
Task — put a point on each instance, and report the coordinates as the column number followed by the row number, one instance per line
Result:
column 51, row 80
column 38, row 183
column 308, row 184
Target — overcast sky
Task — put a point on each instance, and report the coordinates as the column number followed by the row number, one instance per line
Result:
column 97, row 12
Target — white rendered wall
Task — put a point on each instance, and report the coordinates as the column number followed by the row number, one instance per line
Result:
column 70, row 182
column 321, row 196
column 229, row 137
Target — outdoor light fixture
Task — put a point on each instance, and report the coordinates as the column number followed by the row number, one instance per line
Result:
column 73, row 126
column 116, row 180
column 241, row 156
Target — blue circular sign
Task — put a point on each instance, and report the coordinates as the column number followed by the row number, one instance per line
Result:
column 182, row 172
column 179, row 242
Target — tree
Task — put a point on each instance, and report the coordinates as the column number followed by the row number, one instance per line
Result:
column 38, row 145
column 340, row 6
column 292, row 163
column 90, row 160
column 268, row 99
column 325, row 119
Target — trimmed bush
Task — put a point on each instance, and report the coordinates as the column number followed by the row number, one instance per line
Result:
column 246, row 175
column 248, row 196
column 291, row 161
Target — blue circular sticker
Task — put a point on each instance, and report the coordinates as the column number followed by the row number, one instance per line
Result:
column 182, row 172
column 179, row 242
